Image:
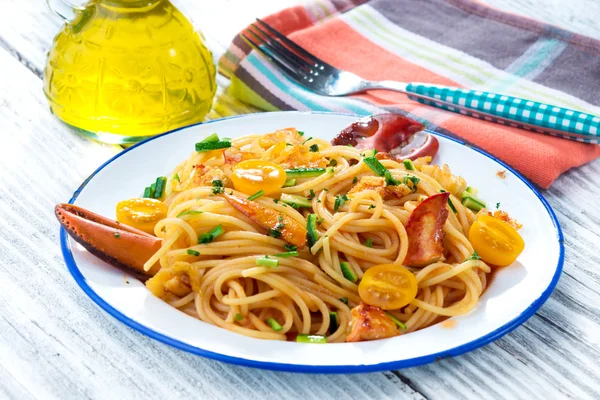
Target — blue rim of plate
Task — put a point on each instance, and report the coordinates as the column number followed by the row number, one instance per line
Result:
column 317, row 369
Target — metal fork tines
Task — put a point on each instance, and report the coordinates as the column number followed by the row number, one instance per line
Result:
column 299, row 64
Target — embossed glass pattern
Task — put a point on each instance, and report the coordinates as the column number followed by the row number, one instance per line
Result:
column 125, row 70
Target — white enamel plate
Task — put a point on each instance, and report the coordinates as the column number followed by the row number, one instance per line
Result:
column 514, row 295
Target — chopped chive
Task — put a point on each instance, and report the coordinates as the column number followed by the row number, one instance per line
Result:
column 339, row 202
column 312, row 235
column 301, row 133
column 304, row 338
column 267, row 262
column 348, row 272
column 314, row 148
column 149, row 192
column 274, row 324
column 307, row 140
column 375, row 165
column 209, row 146
column 355, row 179
column 290, row 247
column 396, row 321
column 295, row 200
column 304, row 172
column 344, row 300
column 159, row 186
column 256, row 195
column 320, row 220
column 176, row 178
column 193, row 252
column 333, row 324
column 331, row 170
column 287, row 254
column 380, row 170
column 408, row 164
column 451, row 205
column 312, row 195
column 413, row 180
column 369, row 242
column 275, row 201
column 211, row 138
column 289, row 182
column 188, row 212
column 117, row 235
column 210, row 235
column 238, row 317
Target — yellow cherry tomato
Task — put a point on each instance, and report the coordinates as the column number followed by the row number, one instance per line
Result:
column 142, row 214
column 495, row 241
column 250, row 176
column 388, row 286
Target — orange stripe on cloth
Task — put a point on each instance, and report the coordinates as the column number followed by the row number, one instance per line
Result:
column 546, row 157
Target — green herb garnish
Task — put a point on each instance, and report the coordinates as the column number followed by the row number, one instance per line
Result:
column 188, row 212
column 267, row 262
column 256, row 195
column 217, row 186
column 313, row 148
column 210, row 235
column 290, row 247
column 369, row 242
column 193, row 252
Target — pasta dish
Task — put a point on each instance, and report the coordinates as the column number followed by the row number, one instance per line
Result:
column 285, row 236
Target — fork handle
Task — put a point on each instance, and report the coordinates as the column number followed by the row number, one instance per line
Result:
column 508, row 110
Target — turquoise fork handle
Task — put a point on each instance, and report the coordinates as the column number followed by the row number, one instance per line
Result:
column 508, row 110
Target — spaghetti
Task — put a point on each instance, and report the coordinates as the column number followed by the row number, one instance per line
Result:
column 361, row 221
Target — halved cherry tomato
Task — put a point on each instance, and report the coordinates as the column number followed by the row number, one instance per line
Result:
column 388, row 286
column 250, row 176
column 142, row 214
column 495, row 241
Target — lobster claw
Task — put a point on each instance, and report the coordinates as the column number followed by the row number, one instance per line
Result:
column 118, row 244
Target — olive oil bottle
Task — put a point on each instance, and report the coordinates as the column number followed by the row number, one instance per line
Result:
column 124, row 70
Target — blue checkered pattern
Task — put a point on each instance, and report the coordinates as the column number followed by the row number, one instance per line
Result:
column 521, row 113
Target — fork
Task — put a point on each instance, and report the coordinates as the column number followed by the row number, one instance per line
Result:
column 320, row 77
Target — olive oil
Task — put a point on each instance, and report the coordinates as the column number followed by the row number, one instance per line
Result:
column 124, row 70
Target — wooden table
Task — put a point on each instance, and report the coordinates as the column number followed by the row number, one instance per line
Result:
column 55, row 343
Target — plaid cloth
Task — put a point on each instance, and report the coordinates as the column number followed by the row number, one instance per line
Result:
column 459, row 43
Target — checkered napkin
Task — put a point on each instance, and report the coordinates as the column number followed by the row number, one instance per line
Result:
column 460, row 43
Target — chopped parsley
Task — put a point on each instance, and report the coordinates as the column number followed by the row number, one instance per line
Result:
column 193, row 252
column 332, row 163
column 344, row 300
column 369, row 242
column 314, row 148
column 117, row 235
column 238, row 317
column 307, row 140
column 320, row 220
column 176, row 178
column 355, row 179
column 217, row 186
column 474, row 256
column 372, row 206
column 301, row 133
column 497, row 206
